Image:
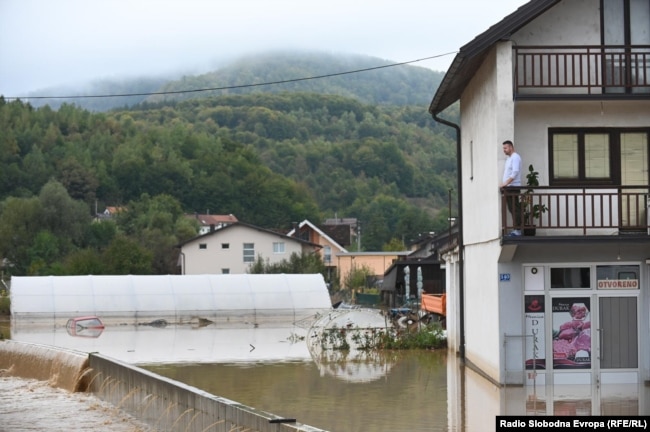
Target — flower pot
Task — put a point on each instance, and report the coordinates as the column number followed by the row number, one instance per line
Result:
column 530, row 230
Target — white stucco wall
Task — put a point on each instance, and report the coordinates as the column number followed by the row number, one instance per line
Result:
column 563, row 24
column 487, row 120
column 533, row 119
column 213, row 259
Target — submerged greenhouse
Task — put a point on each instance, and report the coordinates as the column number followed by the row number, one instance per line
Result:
column 180, row 297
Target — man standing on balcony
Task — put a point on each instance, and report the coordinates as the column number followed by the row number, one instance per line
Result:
column 512, row 183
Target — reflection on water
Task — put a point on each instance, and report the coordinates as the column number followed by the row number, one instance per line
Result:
column 273, row 370
column 411, row 396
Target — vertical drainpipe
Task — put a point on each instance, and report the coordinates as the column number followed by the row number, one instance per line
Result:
column 461, row 245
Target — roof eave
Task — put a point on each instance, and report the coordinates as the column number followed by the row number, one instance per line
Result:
column 472, row 54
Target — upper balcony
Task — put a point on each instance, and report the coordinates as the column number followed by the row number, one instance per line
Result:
column 579, row 213
column 582, row 72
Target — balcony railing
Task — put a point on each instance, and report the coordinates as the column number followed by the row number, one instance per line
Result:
column 578, row 211
column 581, row 70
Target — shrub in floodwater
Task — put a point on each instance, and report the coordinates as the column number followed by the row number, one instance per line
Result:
column 430, row 336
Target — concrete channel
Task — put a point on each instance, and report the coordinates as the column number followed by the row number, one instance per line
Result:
column 159, row 402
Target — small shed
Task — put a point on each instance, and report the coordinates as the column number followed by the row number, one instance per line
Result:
column 394, row 288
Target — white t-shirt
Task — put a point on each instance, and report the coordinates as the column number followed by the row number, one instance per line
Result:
column 513, row 170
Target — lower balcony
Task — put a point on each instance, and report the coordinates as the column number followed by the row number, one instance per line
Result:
column 549, row 212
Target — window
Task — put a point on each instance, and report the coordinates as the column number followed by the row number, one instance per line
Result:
column 580, row 157
column 570, row 277
column 278, row 247
column 225, row 245
column 327, row 254
column 618, row 276
column 225, row 271
column 203, row 246
column 249, row 252
column 598, row 157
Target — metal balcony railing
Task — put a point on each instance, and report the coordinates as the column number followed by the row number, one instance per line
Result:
column 581, row 70
column 578, row 211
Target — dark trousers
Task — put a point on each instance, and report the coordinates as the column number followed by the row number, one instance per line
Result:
column 514, row 205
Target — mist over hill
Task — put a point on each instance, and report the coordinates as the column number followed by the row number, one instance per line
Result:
column 368, row 79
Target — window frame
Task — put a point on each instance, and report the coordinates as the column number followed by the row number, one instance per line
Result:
column 615, row 175
column 279, row 248
column 247, row 256
column 582, row 180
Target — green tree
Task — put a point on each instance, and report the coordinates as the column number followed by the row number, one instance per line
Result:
column 126, row 256
column 296, row 264
column 357, row 278
column 63, row 216
column 20, row 221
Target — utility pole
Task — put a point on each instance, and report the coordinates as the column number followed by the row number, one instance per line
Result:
column 358, row 235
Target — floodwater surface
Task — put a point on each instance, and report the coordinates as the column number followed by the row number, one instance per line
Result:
column 273, row 369
column 404, row 391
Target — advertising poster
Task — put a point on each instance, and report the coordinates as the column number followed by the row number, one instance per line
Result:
column 571, row 333
column 535, row 324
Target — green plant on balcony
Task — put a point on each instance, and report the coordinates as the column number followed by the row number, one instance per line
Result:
column 532, row 209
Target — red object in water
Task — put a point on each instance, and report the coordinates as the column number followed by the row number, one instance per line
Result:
column 88, row 326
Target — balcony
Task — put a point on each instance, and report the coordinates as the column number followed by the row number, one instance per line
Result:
column 577, row 72
column 582, row 212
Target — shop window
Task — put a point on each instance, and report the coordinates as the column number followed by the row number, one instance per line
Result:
column 617, row 276
column 570, row 277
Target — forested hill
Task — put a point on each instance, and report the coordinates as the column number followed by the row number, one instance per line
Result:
column 270, row 158
column 367, row 79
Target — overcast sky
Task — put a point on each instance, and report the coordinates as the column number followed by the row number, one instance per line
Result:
column 46, row 43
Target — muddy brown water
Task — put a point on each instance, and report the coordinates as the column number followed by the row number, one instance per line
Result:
column 272, row 369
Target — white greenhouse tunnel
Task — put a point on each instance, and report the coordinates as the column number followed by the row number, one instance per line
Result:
column 179, row 296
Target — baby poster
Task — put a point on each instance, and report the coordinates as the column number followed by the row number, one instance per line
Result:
column 535, row 325
column 571, row 333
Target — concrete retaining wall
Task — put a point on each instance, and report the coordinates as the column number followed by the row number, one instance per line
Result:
column 162, row 403
column 172, row 406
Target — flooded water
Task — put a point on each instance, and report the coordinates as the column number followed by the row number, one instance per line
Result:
column 400, row 392
column 31, row 405
column 272, row 369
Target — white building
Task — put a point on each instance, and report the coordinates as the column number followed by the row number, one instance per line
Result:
column 233, row 248
column 568, row 81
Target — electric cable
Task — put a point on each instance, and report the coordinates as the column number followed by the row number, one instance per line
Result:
column 234, row 86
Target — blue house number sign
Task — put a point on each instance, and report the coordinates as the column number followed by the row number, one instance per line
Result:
column 504, row 277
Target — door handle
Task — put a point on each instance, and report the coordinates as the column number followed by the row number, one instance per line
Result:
column 600, row 344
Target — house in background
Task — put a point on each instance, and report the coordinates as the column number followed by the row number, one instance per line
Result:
column 210, row 222
column 325, row 236
column 235, row 247
column 376, row 262
column 109, row 213
column 568, row 81
column 344, row 230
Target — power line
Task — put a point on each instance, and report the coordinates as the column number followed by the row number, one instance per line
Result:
column 235, row 86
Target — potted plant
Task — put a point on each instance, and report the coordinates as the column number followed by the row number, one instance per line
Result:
column 532, row 210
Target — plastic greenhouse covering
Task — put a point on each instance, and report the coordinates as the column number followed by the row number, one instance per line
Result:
column 180, row 296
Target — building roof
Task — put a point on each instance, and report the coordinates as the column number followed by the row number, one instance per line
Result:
column 472, row 55
column 253, row 227
column 389, row 253
column 321, row 231
column 216, row 219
